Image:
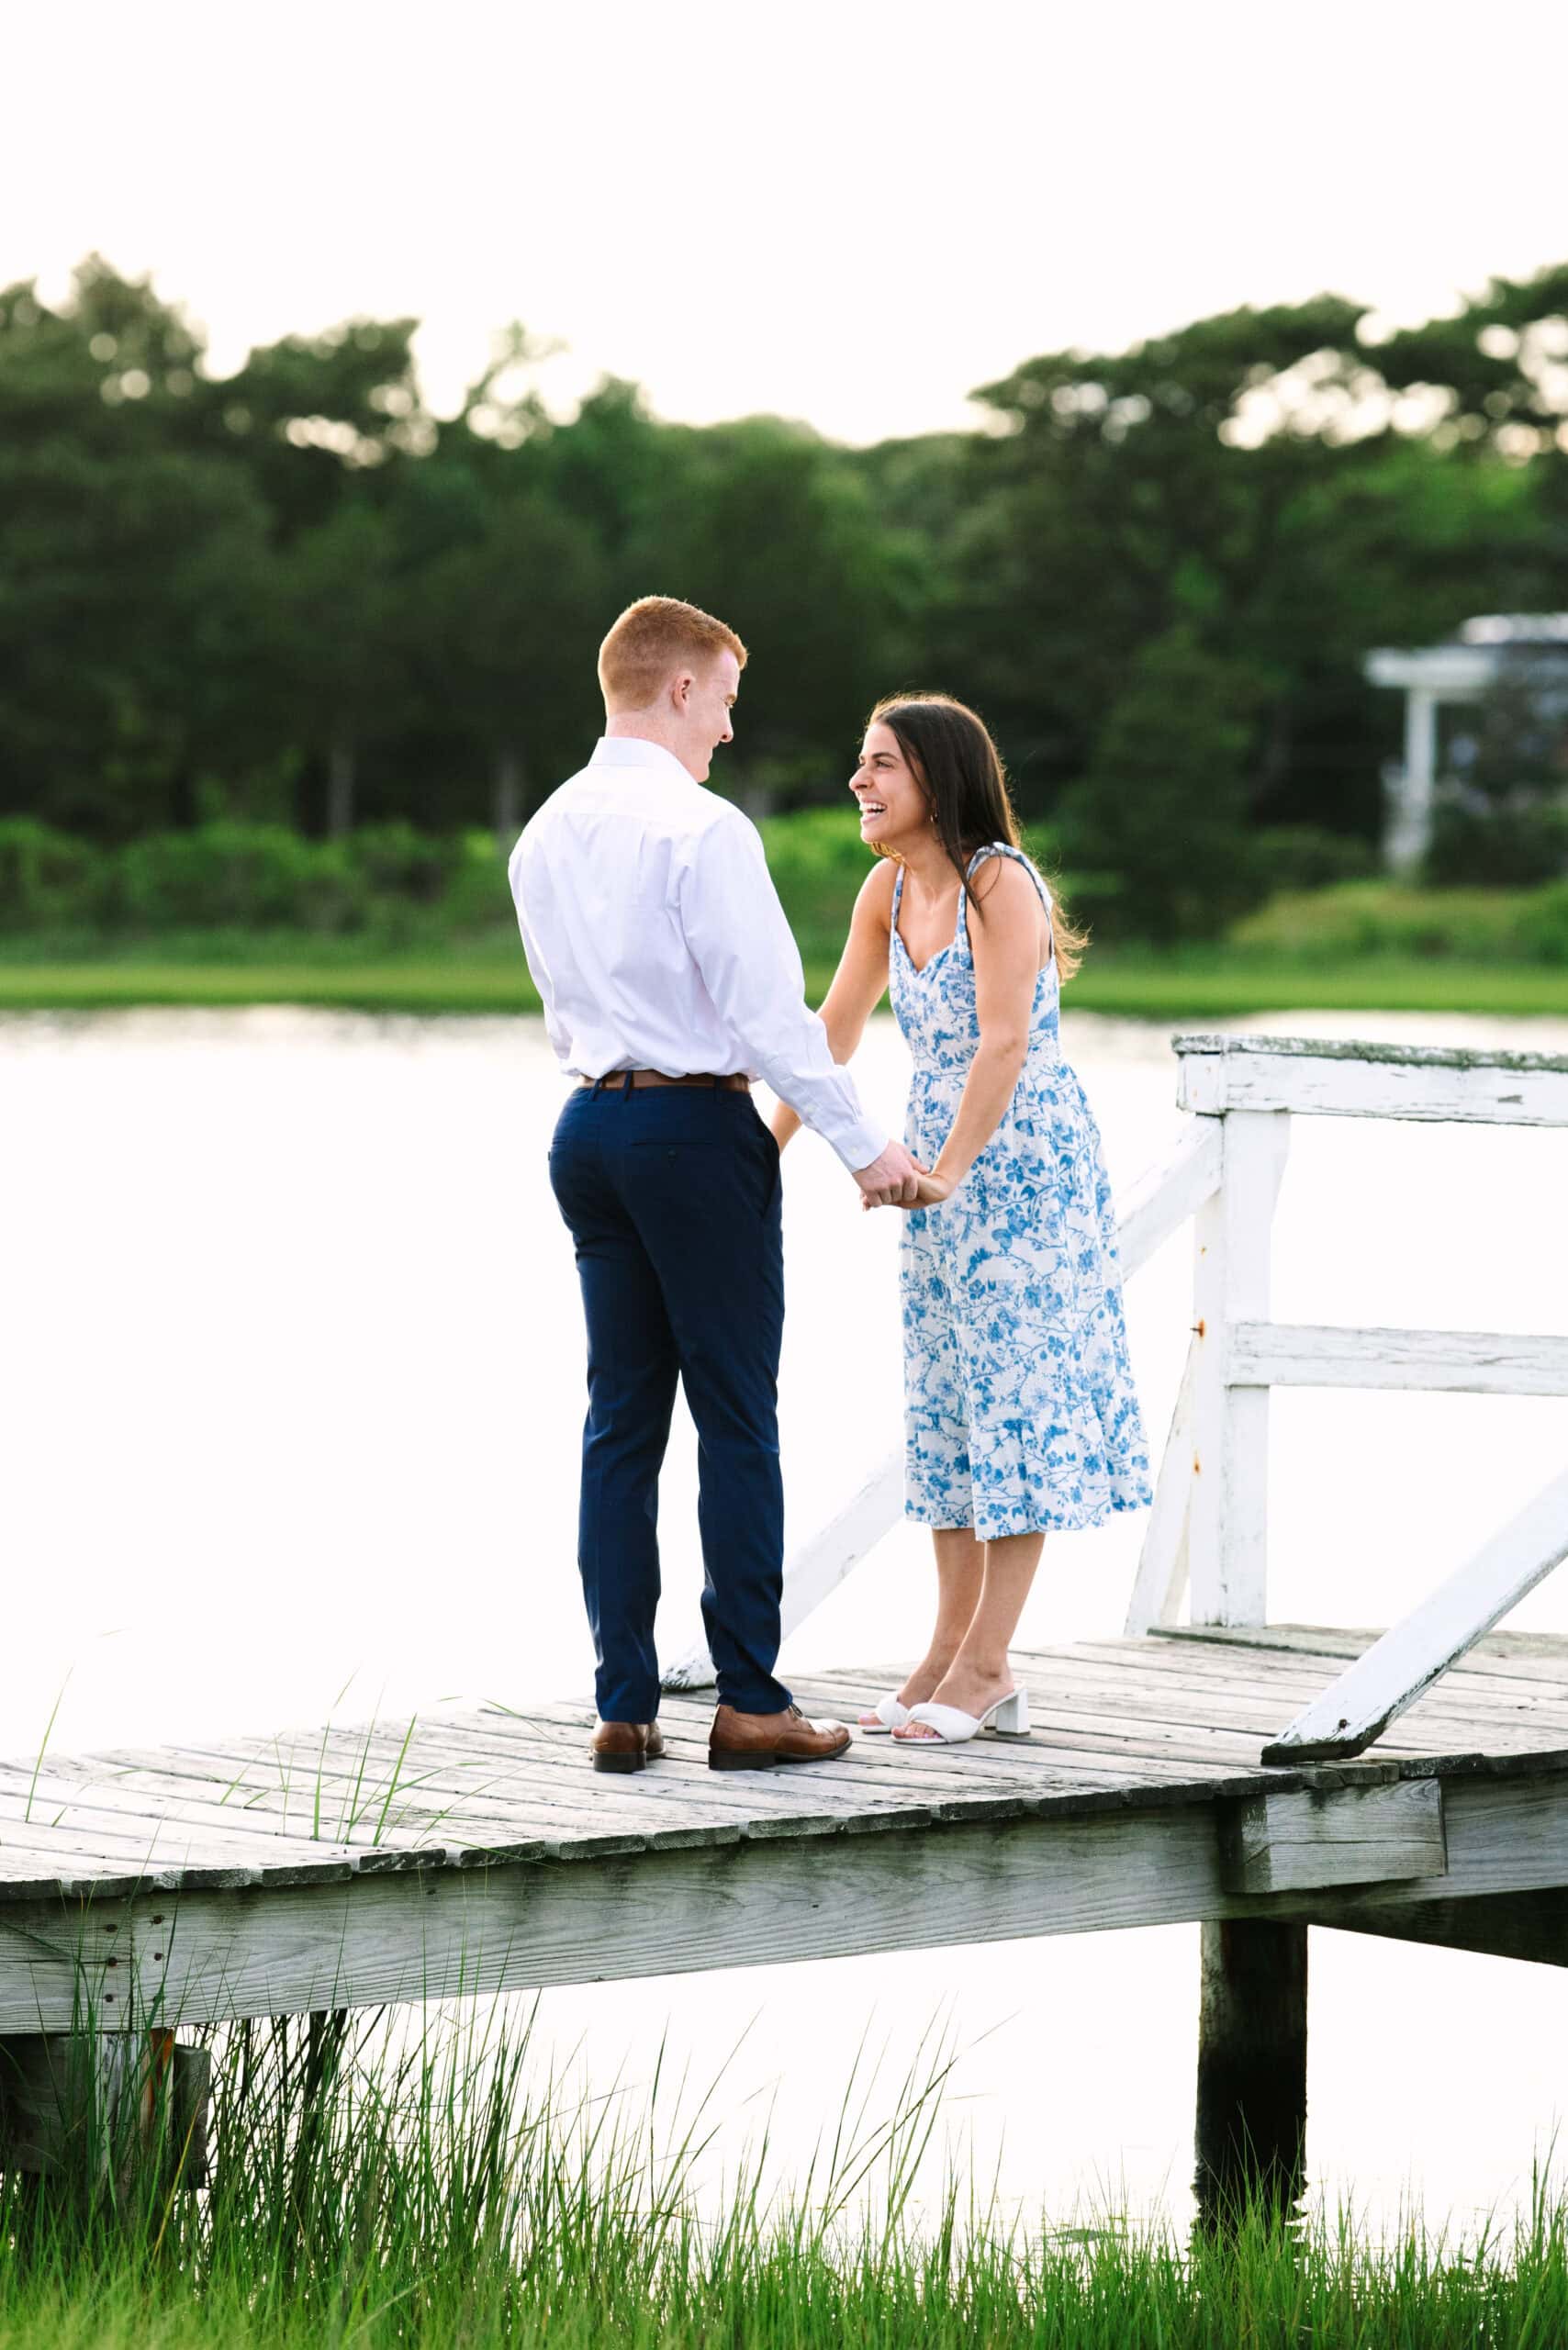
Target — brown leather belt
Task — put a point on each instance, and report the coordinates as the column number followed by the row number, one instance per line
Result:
column 621, row 1078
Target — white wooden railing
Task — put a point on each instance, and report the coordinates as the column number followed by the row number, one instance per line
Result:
column 1206, row 1537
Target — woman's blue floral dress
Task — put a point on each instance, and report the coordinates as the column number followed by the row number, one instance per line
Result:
column 1020, row 1410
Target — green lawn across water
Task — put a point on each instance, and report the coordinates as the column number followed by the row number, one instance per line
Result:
column 1194, row 985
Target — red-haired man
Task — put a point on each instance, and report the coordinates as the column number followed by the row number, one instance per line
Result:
column 670, row 980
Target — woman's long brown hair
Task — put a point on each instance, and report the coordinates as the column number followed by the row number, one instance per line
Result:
column 958, row 768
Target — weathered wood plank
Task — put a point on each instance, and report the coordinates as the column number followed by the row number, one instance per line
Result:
column 1472, row 1363
column 1360, row 1704
column 745, row 1904
column 868, row 1778
column 580, row 1812
column 1531, row 1926
column 1044, row 1760
column 1197, row 1726
column 1283, row 1843
column 1112, row 1706
column 1502, row 1656
column 1317, row 1077
column 1171, row 1722
column 1505, row 1835
column 529, row 1780
column 107, row 1835
column 1489, row 1692
column 432, row 1932
column 160, row 1801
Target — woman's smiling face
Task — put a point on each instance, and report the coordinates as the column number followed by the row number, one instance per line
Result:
column 894, row 808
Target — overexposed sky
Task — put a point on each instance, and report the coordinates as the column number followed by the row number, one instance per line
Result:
column 848, row 211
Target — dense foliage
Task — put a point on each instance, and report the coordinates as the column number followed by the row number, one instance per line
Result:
column 294, row 598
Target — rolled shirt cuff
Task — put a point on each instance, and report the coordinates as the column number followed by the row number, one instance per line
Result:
column 857, row 1143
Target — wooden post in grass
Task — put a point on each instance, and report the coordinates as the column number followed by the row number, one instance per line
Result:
column 1252, row 2126
column 105, row 2103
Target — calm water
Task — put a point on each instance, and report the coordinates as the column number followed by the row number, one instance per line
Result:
column 290, row 1375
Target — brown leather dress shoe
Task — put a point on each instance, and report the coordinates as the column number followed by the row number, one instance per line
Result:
column 757, row 1741
column 626, row 1746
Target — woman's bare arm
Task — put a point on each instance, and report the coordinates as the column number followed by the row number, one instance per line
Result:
column 1005, row 943
column 859, row 983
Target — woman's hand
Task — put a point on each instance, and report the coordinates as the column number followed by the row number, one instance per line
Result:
column 932, row 1189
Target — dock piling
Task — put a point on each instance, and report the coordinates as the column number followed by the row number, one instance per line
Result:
column 1251, row 2116
column 105, row 2102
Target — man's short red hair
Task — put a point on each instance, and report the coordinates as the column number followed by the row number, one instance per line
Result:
column 653, row 638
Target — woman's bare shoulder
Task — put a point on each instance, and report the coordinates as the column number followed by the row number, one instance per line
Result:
column 874, row 899
column 1003, row 882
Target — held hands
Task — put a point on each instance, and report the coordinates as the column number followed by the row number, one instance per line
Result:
column 897, row 1181
column 890, row 1181
column 933, row 1190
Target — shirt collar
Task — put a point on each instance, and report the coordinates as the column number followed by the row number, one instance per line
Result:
column 633, row 751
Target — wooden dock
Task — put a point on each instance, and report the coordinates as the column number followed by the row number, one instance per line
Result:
column 477, row 1851
column 1253, row 1779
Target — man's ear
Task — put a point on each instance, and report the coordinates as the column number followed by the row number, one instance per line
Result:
column 680, row 688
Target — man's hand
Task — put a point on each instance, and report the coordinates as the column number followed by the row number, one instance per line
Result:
column 890, row 1181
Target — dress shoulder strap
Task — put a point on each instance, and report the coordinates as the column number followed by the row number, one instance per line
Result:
column 1001, row 848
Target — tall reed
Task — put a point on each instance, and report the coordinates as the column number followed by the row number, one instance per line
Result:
column 378, row 2192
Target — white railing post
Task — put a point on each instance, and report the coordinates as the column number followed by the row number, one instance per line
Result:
column 1227, row 1527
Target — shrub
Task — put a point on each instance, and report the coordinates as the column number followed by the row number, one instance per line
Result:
column 1300, row 857
column 818, row 862
column 250, row 877
column 1362, row 918
column 1543, row 925
column 1508, row 846
column 46, row 877
column 394, row 861
column 478, row 897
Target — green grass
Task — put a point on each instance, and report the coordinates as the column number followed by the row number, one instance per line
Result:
column 1193, row 984
column 434, row 2197
column 1223, row 983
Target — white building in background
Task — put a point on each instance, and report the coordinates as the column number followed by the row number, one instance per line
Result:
column 1456, row 672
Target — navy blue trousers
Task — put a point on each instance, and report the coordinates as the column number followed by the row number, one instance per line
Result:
column 671, row 1194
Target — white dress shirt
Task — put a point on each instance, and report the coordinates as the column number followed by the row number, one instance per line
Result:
column 656, row 939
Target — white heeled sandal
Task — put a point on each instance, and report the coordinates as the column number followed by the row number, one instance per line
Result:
column 889, row 1713
column 1009, row 1717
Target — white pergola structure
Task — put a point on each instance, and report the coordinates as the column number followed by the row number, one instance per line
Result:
column 1456, row 672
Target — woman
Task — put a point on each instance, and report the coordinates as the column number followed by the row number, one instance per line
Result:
column 1020, row 1413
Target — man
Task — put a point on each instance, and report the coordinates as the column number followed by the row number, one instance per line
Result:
column 670, row 980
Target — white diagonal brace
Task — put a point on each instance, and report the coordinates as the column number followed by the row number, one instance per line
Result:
column 819, row 1565
column 1359, row 1706
column 1162, row 1200
column 1162, row 1581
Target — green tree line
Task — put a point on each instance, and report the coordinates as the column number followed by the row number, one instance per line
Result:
column 295, row 598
